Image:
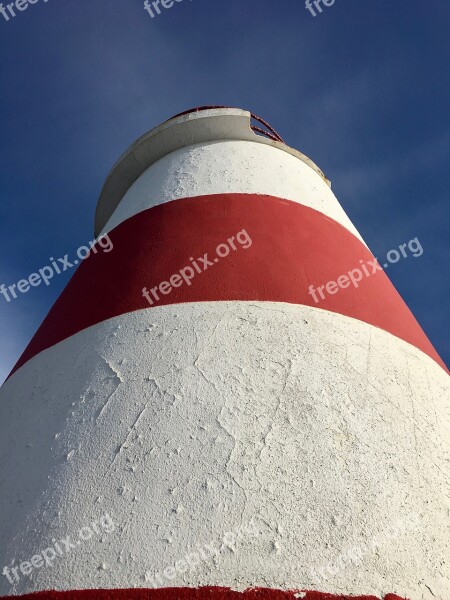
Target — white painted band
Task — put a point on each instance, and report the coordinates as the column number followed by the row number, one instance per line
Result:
column 186, row 421
column 194, row 127
column 229, row 167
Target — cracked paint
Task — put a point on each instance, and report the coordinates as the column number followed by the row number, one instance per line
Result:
column 242, row 428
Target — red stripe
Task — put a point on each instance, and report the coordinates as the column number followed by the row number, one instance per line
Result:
column 293, row 246
column 205, row 593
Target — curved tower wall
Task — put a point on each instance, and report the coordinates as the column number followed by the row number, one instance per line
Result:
column 236, row 432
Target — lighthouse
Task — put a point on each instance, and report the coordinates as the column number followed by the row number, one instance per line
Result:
column 204, row 415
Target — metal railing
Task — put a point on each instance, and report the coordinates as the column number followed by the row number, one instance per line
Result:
column 268, row 132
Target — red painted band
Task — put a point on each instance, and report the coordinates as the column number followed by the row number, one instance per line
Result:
column 205, row 593
column 293, row 247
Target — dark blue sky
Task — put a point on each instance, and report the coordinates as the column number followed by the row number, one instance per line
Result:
column 362, row 89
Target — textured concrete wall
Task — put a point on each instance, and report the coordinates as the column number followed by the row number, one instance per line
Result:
column 184, row 422
column 229, row 167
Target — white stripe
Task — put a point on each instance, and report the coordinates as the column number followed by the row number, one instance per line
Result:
column 196, row 127
column 229, row 167
column 186, row 421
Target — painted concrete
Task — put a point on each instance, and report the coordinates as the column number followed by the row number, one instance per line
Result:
column 202, row 127
column 204, row 593
column 185, row 421
column 229, row 167
column 287, row 249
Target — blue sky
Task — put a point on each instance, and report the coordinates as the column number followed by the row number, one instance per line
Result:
column 362, row 89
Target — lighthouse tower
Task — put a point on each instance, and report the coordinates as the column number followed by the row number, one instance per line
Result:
column 234, row 401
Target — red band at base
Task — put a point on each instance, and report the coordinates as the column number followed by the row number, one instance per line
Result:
column 203, row 593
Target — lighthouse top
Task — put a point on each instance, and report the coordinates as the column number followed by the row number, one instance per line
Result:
column 202, row 125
